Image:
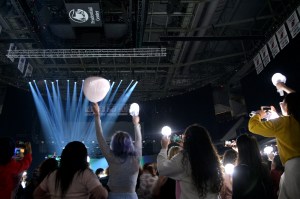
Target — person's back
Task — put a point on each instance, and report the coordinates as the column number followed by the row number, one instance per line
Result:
column 248, row 184
column 120, row 170
column 123, row 157
column 73, row 178
column 197, row 167
column 251, row 178
column 286, row 130
column 80, row 188
column 11, row 169
column 44, row 169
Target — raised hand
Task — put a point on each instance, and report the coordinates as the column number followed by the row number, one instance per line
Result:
column 96, row 109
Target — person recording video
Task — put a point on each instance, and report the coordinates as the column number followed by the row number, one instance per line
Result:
column 12, row 168
column 286, row 130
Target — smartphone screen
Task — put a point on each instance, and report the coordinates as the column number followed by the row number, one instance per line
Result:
column 19, row 151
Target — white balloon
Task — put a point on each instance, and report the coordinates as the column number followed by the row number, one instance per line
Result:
column 95, row 88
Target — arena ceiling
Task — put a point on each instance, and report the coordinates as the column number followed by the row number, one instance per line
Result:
column 196, row 42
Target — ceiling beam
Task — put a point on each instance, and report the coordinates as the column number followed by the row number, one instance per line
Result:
column 212, row 38
column 9, row 40
column 133, row 65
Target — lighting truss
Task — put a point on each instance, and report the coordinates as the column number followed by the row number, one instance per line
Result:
column 87, row 53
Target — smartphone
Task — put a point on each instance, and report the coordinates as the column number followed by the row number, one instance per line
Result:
column 19, row 151
column 176, row 138
column 229, row 143
column 266, row 108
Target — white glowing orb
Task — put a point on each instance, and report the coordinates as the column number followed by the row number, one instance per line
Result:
column 229, row 169
column 88, row 159
column 166, row 131
column 278, row 77
column 134, row 109
column 95, row 88
column 24, row 173
column 268, row 149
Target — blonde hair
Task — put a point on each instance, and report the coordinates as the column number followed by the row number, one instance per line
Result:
column 173, row 151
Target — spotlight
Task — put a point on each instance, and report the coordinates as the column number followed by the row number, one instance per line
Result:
column 268, row 150
column 45, row 80
column 33, row 80
column 276, row 78
column 29, row 82
column 166, row 131
column 68, row 80
column 52, row 82
column 229, row 169
column 134, row 109
column 56, row 80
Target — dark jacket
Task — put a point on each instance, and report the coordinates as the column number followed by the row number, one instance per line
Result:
column 247, row 183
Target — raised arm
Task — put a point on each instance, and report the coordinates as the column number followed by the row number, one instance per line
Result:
column 99, row 133
column 285, row 88
column 138, row 134
column 25, row 162
column 170, row 168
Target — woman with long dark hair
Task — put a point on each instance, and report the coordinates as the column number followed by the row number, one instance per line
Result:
column 73, row 178
column 123, row 157
column 251, row 178
column 197, row 167
column 286, row 130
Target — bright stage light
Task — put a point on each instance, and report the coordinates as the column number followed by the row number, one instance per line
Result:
column 268, row 150
column 229, row 169
column 166, row 131
column 134, row 109
column 276, row 78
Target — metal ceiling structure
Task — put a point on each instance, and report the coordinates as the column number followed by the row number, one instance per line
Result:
column 206, row 41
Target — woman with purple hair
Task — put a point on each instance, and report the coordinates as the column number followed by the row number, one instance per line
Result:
column 123, row 157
